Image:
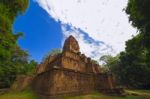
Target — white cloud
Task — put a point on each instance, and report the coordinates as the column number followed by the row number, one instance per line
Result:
column 100, row 20
column 90, row 47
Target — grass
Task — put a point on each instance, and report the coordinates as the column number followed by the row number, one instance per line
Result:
column 28, row 94
column 143, row 91
column 145, row 94
column 102, row 96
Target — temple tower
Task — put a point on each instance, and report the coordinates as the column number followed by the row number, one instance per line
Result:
column 71, row 45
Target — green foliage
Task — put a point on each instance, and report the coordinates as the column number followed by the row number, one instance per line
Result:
column 112, row 64
column 11, row 8
column 139, row 15
column 138, row 11
column 52, row 52
column 130, row 67
column 30, row 68
column 25, row 94
column 133, row 65
column 135, row 61
column 13, row 60
column 95, row 62
column 109, row 60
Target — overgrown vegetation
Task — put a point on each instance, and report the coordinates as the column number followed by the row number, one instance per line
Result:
column 132, row 68
column 26, row 94
column 51, row 53
column 29, row 94
column 98, row 95
column 13, row 60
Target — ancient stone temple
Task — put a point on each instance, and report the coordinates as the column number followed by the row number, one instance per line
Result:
column 71, row 72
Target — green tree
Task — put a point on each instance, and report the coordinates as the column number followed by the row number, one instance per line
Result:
column 139, row 15
column 29, row 69
column 12, row 58
column 133, row 63
column 112, row 64
column 52, row 52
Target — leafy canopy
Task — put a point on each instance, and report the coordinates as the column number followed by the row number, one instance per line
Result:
column 13, row 60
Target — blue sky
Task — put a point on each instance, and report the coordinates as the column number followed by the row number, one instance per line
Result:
column 100, row 26
column 41, row 32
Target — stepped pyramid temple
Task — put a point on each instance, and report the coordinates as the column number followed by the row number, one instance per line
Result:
column 71, row 73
